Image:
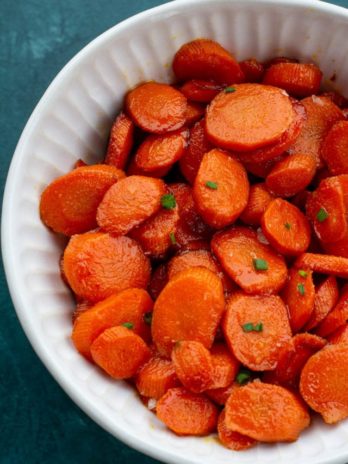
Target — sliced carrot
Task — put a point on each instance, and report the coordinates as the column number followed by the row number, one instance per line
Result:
column 120, row 142
column 97, row 265
column 324, row 380
column 194, row 112
column 220, row 395
column 79, row 164
column 68, row 205
column 156, row 377
column 250, row 117
column 336, row 98
column 200, row 91
column 340, row 335
column 161, row 151
column 253, row 70
column 245, row 260
column 180, row 313
column 232, row 440
column 221, row 189
column 158, row 281
column 261, row 169
column 298, row 79
column 206, row 59
column 128, row 306
column 326, row 296
column 134, row 170
column 265, row 412
column 120, row 352
column 135, row 199
column 255, row 328
column 225, row 366
column 300, row 199
column 324, row 264
column 259, row 199
column 321, row 115
column 327, row 211
column 286, row 228
column 81, row 307
column 198, row 245
column 280, row 59
column 156, row 108
column 335, row 147
column 339, row 248
column 336, row 318
column 291, row 175
column 187, row 413
column 198, row 146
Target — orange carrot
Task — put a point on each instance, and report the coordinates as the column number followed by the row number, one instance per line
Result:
column 225, row 366
column 334, row 148
column 280, row 59
column 326, row 296
column 255, row 328
column 259, row 199
column 180, row 313
column 324, row 380
column 68, row 205
column 324, row 264
column 220, row 395
column 253, row 70
column 97, row 265
column 120, row 141
column 261, row 169
column 156, row 377
column 206, row 59
column 254, row 266
column 200, row 91
column 156, row 108
column 187, row 413
column 336, row 318
column 339, row 248
column 232, row 440
column 158, row 281
column 194, row 112
column 81, row 307
column 339, row 336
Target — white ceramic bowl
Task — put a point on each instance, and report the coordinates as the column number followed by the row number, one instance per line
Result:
column 72, row 121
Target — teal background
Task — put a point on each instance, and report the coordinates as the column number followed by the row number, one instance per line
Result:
column 38, row 421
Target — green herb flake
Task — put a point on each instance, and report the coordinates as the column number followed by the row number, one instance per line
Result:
column 250, row 327
column 229, row 89
column 128, row 325
column 260, row 264
column 303, row 273
column 212, row 185
column 258, row 327
column 301, row 289
column 148, row 318
column 172, row 238
column 287, row 225
column 322, row 215
column 243, row 376
column 168, row 201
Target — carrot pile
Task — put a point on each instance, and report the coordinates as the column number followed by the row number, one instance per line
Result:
column 208, row 252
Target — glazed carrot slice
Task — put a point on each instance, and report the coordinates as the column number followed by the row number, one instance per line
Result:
column 327, row 211
column 220, row 395
column 339, row 248
column 68, row 205
column 280, row 59
column 206, row 59
column 134, row 170
column 321, row 115
column 225, row 366
column 253, row 70
column 128, row 306
column 194, row 112
column 336, row 318
column 156, row 377
column 265, row 412
column 135, row 199
column 232, row 440
column 326, row 296
column 286, row 228
column 261, row 169
column 120, row 352
column 299, row 294
column 198, row 146
column 161, row 151
column 259, row 199
column 323, row 264
column 221, row 189
column 324, row 380
column 81, row 307
column 120, row 141
column 180, row 313
column 193, row 365
column 156, row 108
column 97, row 265
column 200, row 91
column 254, row 266
column 298, row 79
column 339, row 336
column 291, row 175
column 187, row 413
column 158, row 281
column 334, row 147
column 255, row 328
column 250, row 117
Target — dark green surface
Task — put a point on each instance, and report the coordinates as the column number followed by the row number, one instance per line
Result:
column 38, row 422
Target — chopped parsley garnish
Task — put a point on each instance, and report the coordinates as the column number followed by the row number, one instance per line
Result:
column 128, row 325
column 260, row 264
column 303, row 273
column 168, row 201
column 301, row 289
column 287, row 225
column 322, row 215
column 172, row 238
column 250, row 327
column 229, row 89
column 243, row 376
column 212, row 185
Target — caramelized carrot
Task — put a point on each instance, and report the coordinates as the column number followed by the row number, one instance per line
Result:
column 225, row 366
column 339, row 248
column 253, row 70
column 156, row 377
column 200, row 91
column 120, row 141
column 220, row 395
column 335, row 147
column 232, row 440
column 259, row 199
column 323, row 264
column 339, row 336
column 326, row 296
column 336, row 318
column 194, row 112
column 280, row 59
column 261, row 169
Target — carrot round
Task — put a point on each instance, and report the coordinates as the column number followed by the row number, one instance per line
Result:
column 156, row 377
column 119, row 352
column 324, row 381
column 340, row 335
column 323, row 264
column 158, row 281
column 187, row 413
column 221, row 189
column 253, row 265
column 336, row 318
column 335, row 147
column 326, row 296
column 339, row 248
column 232, row 440
column 255, row 329
column 250, row 117
column 291, row 175
column 128, row 306
column 267, row 413
column 97, row 265
column 259, row 199
column 81, row 307
column 194, row 112
column 261, row 169
column 200, row 91
column 286, row 228
column 253, row 70
column 135, row 199
column 68, row 205
column 220, row 395
column 280, row 59
column 298, row 79
column 120, row 141
column 156, row 108
column 180, row 313
column 206, row 59
column 225, row 366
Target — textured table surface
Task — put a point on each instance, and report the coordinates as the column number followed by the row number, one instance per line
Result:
column 38, row 421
